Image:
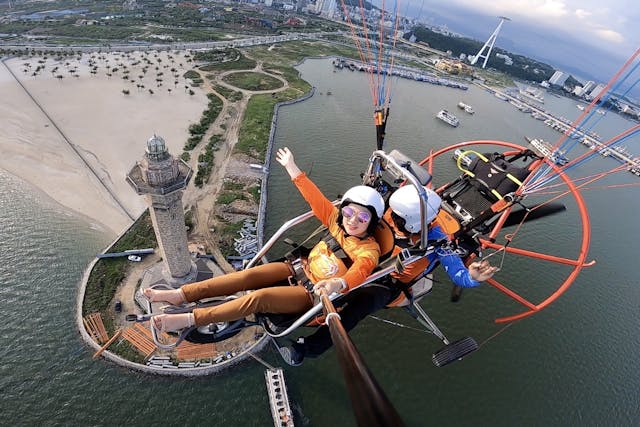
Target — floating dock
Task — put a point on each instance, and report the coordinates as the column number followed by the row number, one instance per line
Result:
column 278, row 399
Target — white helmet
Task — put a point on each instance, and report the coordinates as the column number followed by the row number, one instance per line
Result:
column 405, row 203
column 365, row 196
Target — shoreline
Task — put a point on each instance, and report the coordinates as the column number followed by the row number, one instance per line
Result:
column 75, row 139
column 248, row 348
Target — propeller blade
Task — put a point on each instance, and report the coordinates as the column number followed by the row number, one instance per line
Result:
column 537, row 212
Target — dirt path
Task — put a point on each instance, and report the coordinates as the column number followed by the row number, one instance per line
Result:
column 225, row 163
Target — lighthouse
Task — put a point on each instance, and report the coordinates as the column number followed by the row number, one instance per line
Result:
column 161, row 179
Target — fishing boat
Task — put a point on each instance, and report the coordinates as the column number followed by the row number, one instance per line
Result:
column 448, row 118
column 466, row 107
column 546, row 149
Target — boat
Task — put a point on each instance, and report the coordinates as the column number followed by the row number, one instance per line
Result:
column 466, row 107
column 500, row 96
column 546, row 149
column 580, row 107
column 531, row 93
column 448, row 118
column 465, row 160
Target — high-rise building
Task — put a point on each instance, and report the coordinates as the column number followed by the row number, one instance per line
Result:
column 596, row 90
column 161, row 179
column 558, row 78
column 587, row 87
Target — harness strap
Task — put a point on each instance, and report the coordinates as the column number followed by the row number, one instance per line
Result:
column 335, row 247
column 486, row 160
column 299, row 276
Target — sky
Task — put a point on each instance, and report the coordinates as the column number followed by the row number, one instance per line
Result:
column 590, row 39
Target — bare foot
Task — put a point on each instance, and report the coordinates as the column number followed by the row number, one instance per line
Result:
column 172, row 322
column 172, row 296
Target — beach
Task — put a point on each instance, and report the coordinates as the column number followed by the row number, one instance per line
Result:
column 75, row 137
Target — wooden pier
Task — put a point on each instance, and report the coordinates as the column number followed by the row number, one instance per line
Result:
column 278, row 399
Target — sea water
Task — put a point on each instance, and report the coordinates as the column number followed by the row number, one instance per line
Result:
column 571, row 364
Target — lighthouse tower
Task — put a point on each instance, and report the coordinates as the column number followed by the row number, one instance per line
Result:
column 161, row 179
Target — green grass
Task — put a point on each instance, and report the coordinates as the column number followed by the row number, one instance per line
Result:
column 197, row 130
column 229, row 94
column 228, row 197
column 256, row 125
column 205, row 161
column 292, row 53
column 253, row 81
column 108, row 273
column 194, row 76
column 226, row 233
column 233, row 186
column 224, row 60
column 255, row 192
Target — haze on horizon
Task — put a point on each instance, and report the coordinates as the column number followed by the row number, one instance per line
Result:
column 587, row 38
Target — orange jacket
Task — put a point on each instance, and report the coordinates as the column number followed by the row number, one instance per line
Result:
column 322, row 262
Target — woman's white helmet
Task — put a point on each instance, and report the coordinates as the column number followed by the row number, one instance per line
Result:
column 365, row 196
column 405, row 203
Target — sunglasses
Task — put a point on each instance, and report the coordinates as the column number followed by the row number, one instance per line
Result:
column 363, row 217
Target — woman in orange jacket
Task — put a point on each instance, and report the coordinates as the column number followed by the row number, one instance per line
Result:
column 351, row 225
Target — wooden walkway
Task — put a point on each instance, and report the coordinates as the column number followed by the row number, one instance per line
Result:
column 191, row 351
column 140, row 337
column 95, row 328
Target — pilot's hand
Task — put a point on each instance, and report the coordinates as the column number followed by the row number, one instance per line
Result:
column 335, row 284
column 481, row 270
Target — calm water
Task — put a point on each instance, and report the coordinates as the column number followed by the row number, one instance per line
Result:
column 572, row 364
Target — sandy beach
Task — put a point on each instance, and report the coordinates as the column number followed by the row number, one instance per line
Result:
column 76, row 137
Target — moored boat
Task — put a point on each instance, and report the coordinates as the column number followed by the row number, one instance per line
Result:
column 546, row 149
column 466, row 107
column 448, row 118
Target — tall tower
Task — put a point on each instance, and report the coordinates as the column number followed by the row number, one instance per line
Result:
column 489, row 44
column 161, row 179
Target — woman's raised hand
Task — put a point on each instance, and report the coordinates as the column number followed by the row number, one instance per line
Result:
column 285, row 158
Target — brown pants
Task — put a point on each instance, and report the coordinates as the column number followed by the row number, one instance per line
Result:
column 266, row 297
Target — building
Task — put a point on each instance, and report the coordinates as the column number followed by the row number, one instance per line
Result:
column 453, row 67
column 596, row 91
column 506, row 58
column 584, row 90
column 558, row 78
column 161, row 179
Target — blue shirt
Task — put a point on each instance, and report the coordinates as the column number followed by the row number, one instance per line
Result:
column 449, row 259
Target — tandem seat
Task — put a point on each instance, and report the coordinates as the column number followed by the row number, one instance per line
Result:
column 485, row 188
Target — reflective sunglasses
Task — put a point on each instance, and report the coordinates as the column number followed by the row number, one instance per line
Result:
column 363, row 217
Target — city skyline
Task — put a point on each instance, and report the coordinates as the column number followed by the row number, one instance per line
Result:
column 590, row 41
